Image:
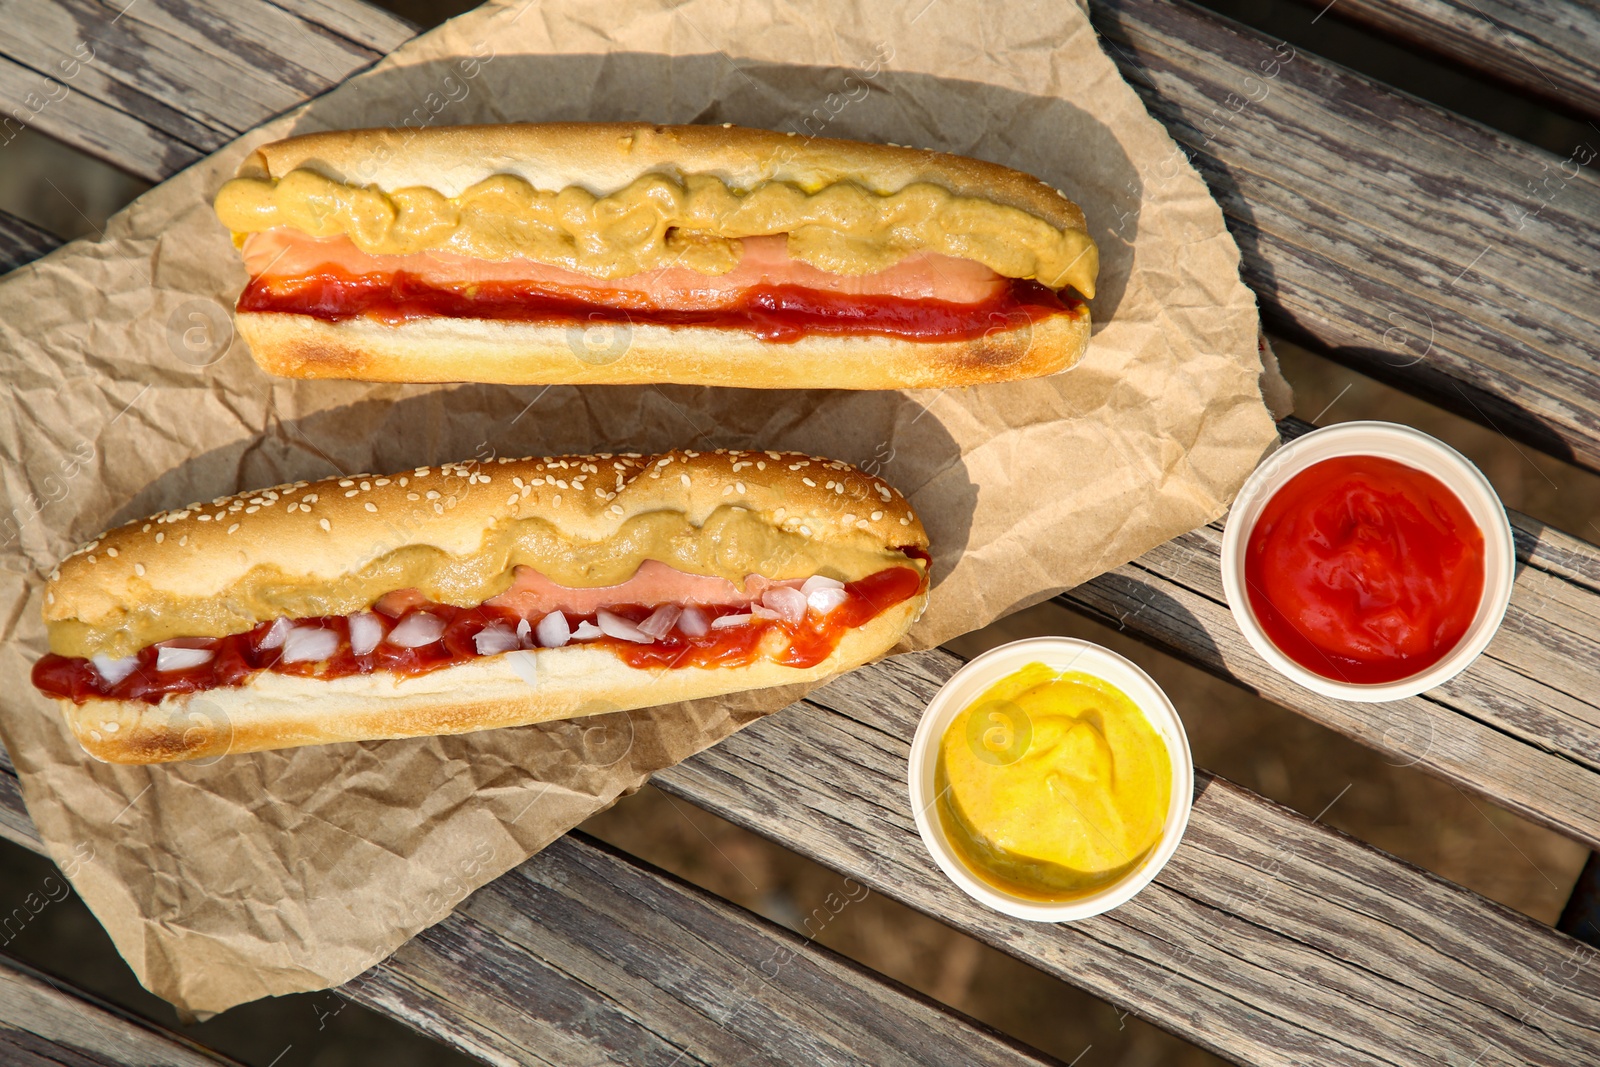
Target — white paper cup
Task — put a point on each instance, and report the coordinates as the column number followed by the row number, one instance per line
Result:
column 1062, row 654
column 1403, row 445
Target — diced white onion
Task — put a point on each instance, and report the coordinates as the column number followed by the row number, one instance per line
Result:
column 114, row 670
column 526, row 665
column 722, row 622
column 661, row 621
column 495, row 639
column 416, row 630
column 823, row 601
column 309, row 644
column 693, row 622
column 181, row 659
column 275, row 634
column 524, row 634
column 614, row 625
column 554, row 630
column 587, row 631
column 790, row 604
column 366, row 630
column 819, row 581
column 761, row 611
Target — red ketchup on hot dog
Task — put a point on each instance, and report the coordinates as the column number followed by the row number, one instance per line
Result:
column 1365, row 570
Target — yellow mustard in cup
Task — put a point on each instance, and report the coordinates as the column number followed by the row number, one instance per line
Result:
column 1052, row 785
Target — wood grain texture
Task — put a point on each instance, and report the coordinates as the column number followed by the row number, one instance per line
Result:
column 1521, row 726
column 1269, row 939
column 583, row 955
column 1416, row 246
column 44, row 1023
column 22, row 242
column 1549, row 50
column 154, row 86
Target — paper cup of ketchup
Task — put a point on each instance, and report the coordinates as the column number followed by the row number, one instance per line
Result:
column 1368, row 561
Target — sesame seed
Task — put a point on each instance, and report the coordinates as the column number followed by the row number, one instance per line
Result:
column 404, row 482
column 326, row 526
column 91, row 557
column 345, row 483
column 739, row 485
column 806, row 530
column 252, row 509
column 412, row 496
column 616, row 509
column 233, row 527
column 138, row 568
column 761, row 464
column 684, row 478
column 352, row 492
column 184, row 540
column 381, row 481
column 876, row 515
column 366, row 485
column 111, row 552
column 294, row 508
column 433, row 494
column 727, row 490
column 556, row 499
column 145, row 528
column 510, row 500
column 905, row 521
column 371, row 506
column 203, row 518
column 809, row 482
column 160, row 537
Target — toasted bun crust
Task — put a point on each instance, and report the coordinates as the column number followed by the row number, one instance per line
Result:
column 323, row 532
column 286, row 711
column 514, row 353
column 606, row 156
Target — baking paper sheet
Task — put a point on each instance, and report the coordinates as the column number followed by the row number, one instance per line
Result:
column 273, row 872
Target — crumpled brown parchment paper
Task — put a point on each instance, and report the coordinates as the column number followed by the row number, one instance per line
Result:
column 268, row 873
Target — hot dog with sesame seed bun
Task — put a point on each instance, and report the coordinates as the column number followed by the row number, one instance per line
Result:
column 473, row 596
column 619, row 253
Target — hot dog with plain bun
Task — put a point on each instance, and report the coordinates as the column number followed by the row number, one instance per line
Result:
column 622, row 253
column 471, row 596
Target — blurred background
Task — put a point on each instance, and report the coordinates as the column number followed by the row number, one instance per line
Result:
column 1273, row 752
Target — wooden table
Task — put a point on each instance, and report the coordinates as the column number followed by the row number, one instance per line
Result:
column 1435, row 254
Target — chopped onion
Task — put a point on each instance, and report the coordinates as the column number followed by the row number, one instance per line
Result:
column 693, row 622
column 495, row 639
column 309, row 644
column 587, row 631
column 614, row 625
column 788, row 603
column 761, row 611
column 661, row 621
column 275, row 634
column 366, row 630
column 722, row 622
column 554, row 630
column 417, row 630
column 823, row 601
column 524, row 634
column 820, row 581
column 114, row 670
column 181, row 659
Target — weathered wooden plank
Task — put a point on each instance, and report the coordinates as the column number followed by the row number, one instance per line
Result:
column 583, row 955
column 1550, row 50
column 1414, row 245
column 44, row 1023
column 22, row 242
column 1521, row 726
column 1269, row 939
column 86, row 123
column 151, row 88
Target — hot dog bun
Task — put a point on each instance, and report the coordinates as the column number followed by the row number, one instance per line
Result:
column 456, row 532
column 840, row 198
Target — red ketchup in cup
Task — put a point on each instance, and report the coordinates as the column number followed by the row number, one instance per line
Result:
column 1364, row 570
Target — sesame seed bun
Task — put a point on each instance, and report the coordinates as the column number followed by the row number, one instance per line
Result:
column 327, row 547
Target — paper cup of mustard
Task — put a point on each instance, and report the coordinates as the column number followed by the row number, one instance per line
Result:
column 1051, row 779
column 1368, row 561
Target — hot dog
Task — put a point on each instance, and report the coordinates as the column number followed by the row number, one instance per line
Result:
column 624, row 253
column 471, row 596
